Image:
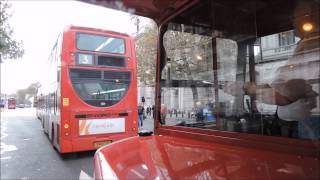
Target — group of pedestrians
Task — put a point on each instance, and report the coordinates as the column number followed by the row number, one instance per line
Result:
column 176, row 112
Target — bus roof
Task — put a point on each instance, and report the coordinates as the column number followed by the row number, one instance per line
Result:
column 72, row 27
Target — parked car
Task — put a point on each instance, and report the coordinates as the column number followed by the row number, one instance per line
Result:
column 21, row 106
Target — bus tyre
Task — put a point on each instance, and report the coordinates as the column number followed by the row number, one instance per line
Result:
column 52, row 136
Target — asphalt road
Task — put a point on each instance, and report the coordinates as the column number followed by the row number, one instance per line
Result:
column 26, row 152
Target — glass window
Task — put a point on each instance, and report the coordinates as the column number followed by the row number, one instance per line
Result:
column 90, row 42
column 59, row 49
column 286, row 38
column 243, row 77
column 100, row 88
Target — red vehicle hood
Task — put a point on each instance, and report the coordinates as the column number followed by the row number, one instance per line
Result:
column 164, row 157
column 157, row 10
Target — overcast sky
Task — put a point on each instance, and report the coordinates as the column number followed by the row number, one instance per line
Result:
column 38, row 23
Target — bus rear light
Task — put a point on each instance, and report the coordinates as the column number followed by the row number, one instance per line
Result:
column 72, row 56
column 66, row 126
column 66, row 133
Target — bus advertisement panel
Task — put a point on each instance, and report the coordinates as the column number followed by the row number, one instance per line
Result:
column 92, row 98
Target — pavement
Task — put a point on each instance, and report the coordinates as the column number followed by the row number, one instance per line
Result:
column 148, row 124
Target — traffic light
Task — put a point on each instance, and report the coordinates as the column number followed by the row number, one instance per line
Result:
column 142, row 99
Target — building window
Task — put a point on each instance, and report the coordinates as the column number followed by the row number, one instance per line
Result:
column 286, row 38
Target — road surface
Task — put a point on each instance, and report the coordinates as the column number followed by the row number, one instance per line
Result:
column 26, row 152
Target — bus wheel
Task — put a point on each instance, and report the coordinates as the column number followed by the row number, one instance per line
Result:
column 52, row 136
column 42, row 123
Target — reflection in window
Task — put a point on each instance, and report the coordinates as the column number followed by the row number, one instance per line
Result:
column 222, row 76
column 100, row 43
column 98, row 90
column 286, row 38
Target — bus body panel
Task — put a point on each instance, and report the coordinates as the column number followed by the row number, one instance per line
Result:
column 65, row 145
column 163, row 157
column 86, row 143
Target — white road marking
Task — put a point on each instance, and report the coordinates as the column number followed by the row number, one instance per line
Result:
column 3, row 146
column 3, row 130
column 84, row 176
column 138, row 174
column 7, row 148
column 5, row 158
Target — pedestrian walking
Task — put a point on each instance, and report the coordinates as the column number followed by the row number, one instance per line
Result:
column 140, row 115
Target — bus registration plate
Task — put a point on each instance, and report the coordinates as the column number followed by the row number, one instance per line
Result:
column 101, row 143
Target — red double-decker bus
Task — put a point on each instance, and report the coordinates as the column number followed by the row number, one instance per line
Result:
column 11, row 103
column 91, row 96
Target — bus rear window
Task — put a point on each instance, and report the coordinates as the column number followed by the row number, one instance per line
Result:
column 104, row 89
column 90, row 42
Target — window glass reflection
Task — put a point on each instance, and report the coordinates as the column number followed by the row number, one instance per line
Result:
column 224, row 76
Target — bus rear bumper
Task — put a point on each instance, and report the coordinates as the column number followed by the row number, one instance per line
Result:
column 88, row 143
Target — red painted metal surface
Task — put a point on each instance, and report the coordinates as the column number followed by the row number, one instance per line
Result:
column 168, row 157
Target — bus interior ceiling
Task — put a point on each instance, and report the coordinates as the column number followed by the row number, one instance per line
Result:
column 268, row 18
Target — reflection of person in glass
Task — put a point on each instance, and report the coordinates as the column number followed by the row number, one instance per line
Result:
column 292, row 88
column 199, row 112
column 163, row 114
